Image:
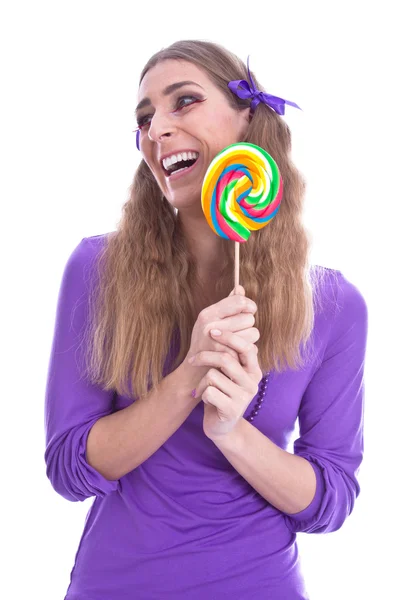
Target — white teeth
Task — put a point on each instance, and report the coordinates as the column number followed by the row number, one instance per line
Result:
column 174, row 158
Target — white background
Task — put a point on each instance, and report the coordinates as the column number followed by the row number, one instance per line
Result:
column 69, row 76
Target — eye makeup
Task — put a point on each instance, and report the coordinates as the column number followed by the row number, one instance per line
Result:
column 194, row 99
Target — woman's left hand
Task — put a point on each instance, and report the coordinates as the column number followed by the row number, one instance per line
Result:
column 227, row 394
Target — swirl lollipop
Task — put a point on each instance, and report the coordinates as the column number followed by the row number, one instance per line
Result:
column 242, row 191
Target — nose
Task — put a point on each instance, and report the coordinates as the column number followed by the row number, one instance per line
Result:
column 160, row 126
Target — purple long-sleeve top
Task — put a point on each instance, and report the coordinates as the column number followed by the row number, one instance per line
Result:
column 185, row 524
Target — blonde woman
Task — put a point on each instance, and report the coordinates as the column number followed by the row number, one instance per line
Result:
column 195, row 493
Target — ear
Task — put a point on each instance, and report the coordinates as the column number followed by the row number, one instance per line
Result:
column 247, row 115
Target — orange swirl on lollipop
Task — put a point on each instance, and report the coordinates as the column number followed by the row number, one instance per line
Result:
column 242, row 191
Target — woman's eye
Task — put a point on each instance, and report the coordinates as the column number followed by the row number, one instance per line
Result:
column 181, row 100
column 142, row 122
column 181, row 103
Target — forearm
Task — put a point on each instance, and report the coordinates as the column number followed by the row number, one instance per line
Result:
column 285, row 480
column 120, row 442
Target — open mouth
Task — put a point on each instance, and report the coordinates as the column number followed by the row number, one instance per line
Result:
column 179, row 162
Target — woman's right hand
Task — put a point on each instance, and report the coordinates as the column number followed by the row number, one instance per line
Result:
column 234, row 313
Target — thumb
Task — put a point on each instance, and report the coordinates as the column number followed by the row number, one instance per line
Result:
column 239, row 290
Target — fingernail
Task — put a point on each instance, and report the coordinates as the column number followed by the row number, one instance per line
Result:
column 216, row 332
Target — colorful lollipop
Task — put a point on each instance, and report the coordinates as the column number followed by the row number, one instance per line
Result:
column 242, row 191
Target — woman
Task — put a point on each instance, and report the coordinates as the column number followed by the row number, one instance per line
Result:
column 196, row 494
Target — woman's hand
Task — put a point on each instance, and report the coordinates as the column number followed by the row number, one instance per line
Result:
column 233, row 314
column 227, row 393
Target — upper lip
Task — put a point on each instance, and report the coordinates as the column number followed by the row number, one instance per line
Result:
column 176, row 152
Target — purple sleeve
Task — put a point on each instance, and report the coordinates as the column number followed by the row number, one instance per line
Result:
column 72, row 405
column 331, row 418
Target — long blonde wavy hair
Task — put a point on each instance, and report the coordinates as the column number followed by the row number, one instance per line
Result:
column 148, row 278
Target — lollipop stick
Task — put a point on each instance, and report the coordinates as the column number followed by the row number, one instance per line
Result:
column 237, row 244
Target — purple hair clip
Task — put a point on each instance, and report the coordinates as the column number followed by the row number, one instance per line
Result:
column 277, row 104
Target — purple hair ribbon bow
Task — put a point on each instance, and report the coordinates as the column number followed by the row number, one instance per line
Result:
column 277, row 104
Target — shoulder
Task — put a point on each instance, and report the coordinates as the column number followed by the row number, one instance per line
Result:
column 351, row 319
column 80, row 266
column 350, row 300
column 88, row 249
column 333, row 290
column 341, row 301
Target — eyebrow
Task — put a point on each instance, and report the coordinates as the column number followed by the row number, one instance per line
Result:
column 166, row 92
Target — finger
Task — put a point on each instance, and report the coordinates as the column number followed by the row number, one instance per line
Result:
column 232, row 340
column 224, row 348
column 226, row 375
column 223, row 361
column 222, row 309
column 234, row 323
column 238, row 290
column 246, row 351
column 251, row 335
column 217, row 381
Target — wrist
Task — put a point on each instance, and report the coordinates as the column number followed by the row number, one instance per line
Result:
column 188, row 380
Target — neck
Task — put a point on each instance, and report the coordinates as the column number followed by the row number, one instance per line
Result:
column 203, row 245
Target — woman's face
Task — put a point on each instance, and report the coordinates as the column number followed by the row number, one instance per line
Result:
column 193, row 120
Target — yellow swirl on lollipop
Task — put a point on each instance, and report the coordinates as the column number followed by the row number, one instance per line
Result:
column 242, row 191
